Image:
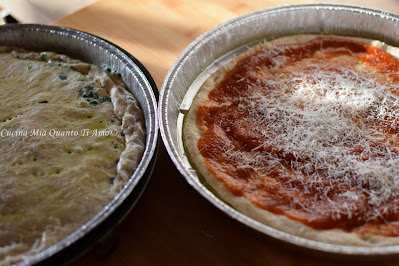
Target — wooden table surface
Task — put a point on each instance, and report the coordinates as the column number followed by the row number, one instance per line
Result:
column 172, row 224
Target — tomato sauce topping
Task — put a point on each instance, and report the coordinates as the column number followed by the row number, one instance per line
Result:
column 310, row 131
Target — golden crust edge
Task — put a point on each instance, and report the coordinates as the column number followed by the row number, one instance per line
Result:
column 127, row 109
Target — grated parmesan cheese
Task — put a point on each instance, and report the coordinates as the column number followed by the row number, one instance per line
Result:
column 324, row 127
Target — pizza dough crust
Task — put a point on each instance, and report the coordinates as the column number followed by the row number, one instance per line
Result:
column 192, row 133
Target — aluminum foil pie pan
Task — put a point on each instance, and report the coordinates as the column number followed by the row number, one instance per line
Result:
column 91, row 49
column 221, row 43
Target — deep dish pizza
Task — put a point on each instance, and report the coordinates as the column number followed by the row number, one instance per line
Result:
column 71, row 136
column 301, row 133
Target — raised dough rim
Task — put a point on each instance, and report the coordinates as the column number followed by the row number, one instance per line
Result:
column 147, row 92
column 174, row 149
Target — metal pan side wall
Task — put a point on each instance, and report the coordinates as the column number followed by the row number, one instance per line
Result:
column 257, row 26
column 92, row 49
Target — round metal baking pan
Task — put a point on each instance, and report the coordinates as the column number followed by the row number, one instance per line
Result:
column 216, row 45
column 97, row 51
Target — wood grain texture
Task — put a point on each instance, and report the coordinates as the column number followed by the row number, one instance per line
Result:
column 172, row 224
column 157, row 31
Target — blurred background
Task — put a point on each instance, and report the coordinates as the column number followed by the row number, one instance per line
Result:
column 41, row 11
column 171, row 224
column 48, row 11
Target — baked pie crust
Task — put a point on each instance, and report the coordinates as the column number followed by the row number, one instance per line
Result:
column 71, row 137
